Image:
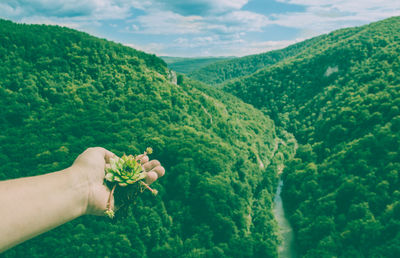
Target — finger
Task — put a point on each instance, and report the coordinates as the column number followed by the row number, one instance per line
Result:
column 159, row 170
column 151, row 177
column 143, row 158
column 151, row 164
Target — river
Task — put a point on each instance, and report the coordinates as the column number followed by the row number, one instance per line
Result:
column 286, row 249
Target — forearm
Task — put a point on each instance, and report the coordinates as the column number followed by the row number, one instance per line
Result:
column 33, row 205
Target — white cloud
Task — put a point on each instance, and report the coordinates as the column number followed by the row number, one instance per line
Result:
column 167, row 22
column 229, row 4
column 65, row 12
column 242, row 21
column 149, row 48
column 7, row 10
column 322, row 16
column 141, row 4
column 203, row 42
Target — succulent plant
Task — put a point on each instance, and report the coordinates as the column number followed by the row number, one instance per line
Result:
column 126, row 172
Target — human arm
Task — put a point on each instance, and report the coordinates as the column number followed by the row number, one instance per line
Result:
column 33, row 205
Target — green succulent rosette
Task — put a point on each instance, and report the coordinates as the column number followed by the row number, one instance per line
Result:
column 125, row 170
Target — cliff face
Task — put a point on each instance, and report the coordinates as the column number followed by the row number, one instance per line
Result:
column 172, row 77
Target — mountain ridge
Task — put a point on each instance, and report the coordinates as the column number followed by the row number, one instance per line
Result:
column 186, row 65
column 222, row 71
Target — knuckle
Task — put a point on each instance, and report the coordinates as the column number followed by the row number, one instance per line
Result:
column 155, row 163
column 160, row 171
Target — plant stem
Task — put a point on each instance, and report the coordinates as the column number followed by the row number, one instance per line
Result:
column 155, row 192
column 109, row 197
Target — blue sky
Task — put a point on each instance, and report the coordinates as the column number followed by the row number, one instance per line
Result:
column 202, row 27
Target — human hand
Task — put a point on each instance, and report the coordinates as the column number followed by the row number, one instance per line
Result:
column 90, row 165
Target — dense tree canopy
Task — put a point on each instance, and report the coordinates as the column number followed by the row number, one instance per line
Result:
column 341, row 99
column 221, row 71
column 187, row 65
column 62, row 91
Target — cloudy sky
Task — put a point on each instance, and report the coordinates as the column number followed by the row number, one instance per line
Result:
column 202, row 27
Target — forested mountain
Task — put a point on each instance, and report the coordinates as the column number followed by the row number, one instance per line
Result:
column 62, row 91
column 188, row 64
column 222, row 71
column 341, row 100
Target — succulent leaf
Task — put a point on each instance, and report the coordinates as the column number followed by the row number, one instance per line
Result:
column 109, row 177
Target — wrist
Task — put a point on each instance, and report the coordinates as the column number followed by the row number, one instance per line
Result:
column 78, row 186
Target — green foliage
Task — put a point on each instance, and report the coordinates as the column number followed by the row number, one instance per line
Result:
column 188, row 64
column 341, row 99
column 225, row 70
column 62, row 91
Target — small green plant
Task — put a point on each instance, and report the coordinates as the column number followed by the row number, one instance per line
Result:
column 127, row 174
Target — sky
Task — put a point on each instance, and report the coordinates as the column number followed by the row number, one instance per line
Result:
column 201, row 28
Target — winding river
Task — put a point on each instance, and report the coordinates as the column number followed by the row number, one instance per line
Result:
column 286, row 248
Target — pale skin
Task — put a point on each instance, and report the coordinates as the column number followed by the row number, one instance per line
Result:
column 33, row 205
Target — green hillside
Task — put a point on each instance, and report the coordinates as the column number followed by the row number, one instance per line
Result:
column 62, row 91
column 222, row 71
column 341, row 100
column 188, row 64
